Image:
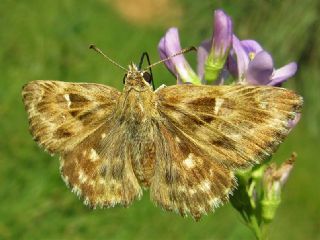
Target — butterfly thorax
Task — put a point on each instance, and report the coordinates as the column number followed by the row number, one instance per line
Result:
column 137, row 99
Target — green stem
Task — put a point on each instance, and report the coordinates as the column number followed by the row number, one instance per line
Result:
column 264, row 231
column 253, row 224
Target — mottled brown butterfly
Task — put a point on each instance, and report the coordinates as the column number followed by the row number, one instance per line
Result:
column 184, row 142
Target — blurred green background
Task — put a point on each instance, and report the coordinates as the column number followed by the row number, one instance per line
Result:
column 49, row 40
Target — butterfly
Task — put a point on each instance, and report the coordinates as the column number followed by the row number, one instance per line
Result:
column 183, row 142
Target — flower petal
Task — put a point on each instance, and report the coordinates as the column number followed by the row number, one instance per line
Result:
column 221, row 44
column 242, row 58
column 231, row 64
column 163, row 55
column 282, row 74
column 222, row 38
column 285, row 169
column 178, row 65
column 251, row 46
column 202, row 54
column 260, row 69
column 169, row 45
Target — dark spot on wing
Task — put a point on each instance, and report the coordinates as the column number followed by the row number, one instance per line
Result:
column 207, row 118
column 103, row 171
column 62, row 133
column 74, row 113
column 77, row 101
column 223, row 142
column 169, row 177
column 203, row 101
column 117, row 170
column 77, row 98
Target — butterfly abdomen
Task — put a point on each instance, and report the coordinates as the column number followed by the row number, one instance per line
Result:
column 137, row 109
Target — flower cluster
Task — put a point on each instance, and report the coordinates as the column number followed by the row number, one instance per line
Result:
column 222, row 56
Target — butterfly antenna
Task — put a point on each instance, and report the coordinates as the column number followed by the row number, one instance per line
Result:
column 92, row 46
column 185, row 50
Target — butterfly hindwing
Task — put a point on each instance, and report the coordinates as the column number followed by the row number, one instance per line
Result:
column 99, row 169
column 186, row 179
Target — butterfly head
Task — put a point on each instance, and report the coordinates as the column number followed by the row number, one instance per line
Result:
column 137, row 79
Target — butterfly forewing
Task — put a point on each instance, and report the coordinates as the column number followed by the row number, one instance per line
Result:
column 238, row 125
column 62, row 114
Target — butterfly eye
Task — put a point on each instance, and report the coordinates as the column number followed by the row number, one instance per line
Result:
column 124, row 78
column 147, row 77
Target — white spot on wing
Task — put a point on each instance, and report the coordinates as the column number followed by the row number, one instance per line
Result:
column 93, row 155
column 219, row 102
column 235, row 137
column 67, row 97
column 205, row 185
column 82, row 176
column 92, row 183
column 201, row 210
column 102, row 181
column 189, row 161
column 182, row 189
column 192, row 191
column 263, row 105
column 103, row 135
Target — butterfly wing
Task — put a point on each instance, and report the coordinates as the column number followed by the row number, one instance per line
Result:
column 99, row 169
column 77, row 121
column 62, row 114
column 206, row 132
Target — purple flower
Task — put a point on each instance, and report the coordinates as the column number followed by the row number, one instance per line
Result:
column 255, row 66
column 212, row 54
column 178, row 65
